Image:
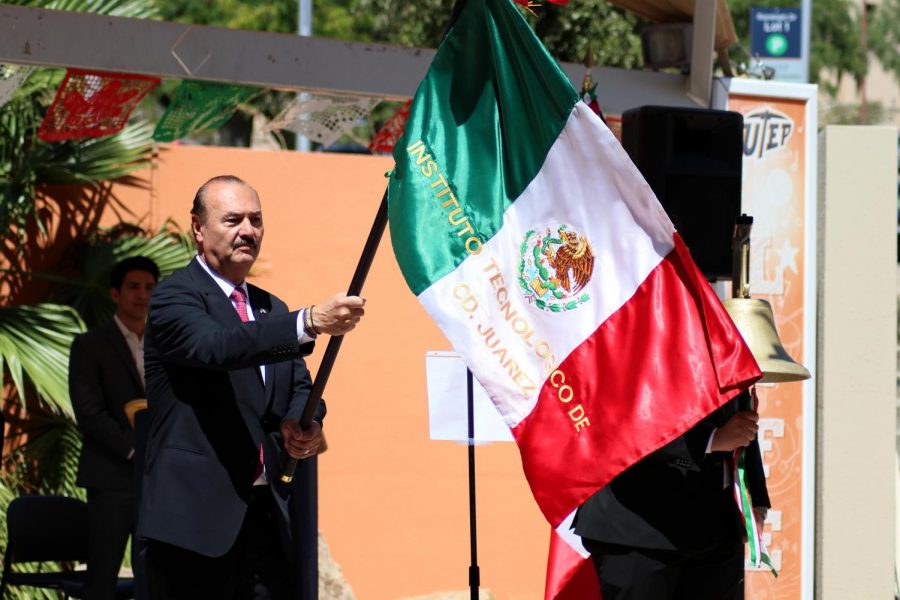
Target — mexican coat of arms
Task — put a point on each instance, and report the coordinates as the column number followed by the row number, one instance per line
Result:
column 555, row 267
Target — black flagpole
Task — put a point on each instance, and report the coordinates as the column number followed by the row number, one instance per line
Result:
column 362, row 269
column 474, row 573
column 334, row 344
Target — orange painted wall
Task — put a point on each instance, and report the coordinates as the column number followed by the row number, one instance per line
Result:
column 393, row 504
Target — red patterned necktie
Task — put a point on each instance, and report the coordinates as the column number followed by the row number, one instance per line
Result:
column 239, row 296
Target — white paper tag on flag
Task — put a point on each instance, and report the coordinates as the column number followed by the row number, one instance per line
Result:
column 445, row 373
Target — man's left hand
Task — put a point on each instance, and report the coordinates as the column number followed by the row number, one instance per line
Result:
column 301, row 443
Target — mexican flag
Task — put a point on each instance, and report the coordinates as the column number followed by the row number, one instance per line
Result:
column 529, row 236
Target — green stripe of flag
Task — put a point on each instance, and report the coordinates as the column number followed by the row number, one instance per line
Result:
column 481, row 124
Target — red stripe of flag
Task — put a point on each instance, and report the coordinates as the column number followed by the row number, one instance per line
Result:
column 663, row 361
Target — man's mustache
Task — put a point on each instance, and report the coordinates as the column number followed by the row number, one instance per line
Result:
column 245, row 242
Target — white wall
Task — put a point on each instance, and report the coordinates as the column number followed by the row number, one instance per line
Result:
column 856, row 363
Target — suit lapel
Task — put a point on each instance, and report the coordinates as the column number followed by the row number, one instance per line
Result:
column 222, row 310
column 118, row 343
column 261, row 303
column 220, row 306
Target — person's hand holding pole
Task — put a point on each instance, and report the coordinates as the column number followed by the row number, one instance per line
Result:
column 301, row 444
column 738, row 432
column 338, row 315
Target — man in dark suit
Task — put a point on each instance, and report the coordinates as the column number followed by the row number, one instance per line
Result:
column 226, row 383
column 106, row 370
column 668, row 528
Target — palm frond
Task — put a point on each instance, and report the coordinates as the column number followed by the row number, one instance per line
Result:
column 26, row 161
column 46, row 462
column 94, row 160
column 137, row 9
column 89, row 292
column 34, row 344
column 169, row 248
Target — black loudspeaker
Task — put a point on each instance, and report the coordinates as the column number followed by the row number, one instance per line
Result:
column 692, row 158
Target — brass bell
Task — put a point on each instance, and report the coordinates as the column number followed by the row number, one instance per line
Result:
column 755, row 321
column 754, row 318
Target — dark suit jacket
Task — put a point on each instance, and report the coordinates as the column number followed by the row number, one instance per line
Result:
column 102, row 379
column 209, row 411
column 674, row 498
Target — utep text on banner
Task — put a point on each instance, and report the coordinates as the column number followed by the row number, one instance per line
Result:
column 530, row 237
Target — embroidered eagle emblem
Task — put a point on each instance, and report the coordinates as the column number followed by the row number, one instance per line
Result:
column 554, row 267
column 573, row 258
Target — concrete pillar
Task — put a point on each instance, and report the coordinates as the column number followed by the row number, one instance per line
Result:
column 856, row 363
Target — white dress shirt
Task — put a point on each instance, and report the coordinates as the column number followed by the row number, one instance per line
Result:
column 135, row 344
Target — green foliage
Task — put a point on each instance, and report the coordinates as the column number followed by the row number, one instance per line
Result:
column 835, row 46
column 569, row 31
column 57, row 442
column 35, row 340
column 849, row 114
column 274, row 17
column 34, row 351
column 331, row 18
column 137, row 9
column 419, row 24
column 335, row 19
column 884, row 35
column 26, row 161
column 92, row 261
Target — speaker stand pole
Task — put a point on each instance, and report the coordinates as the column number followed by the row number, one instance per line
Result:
column 474, row 574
